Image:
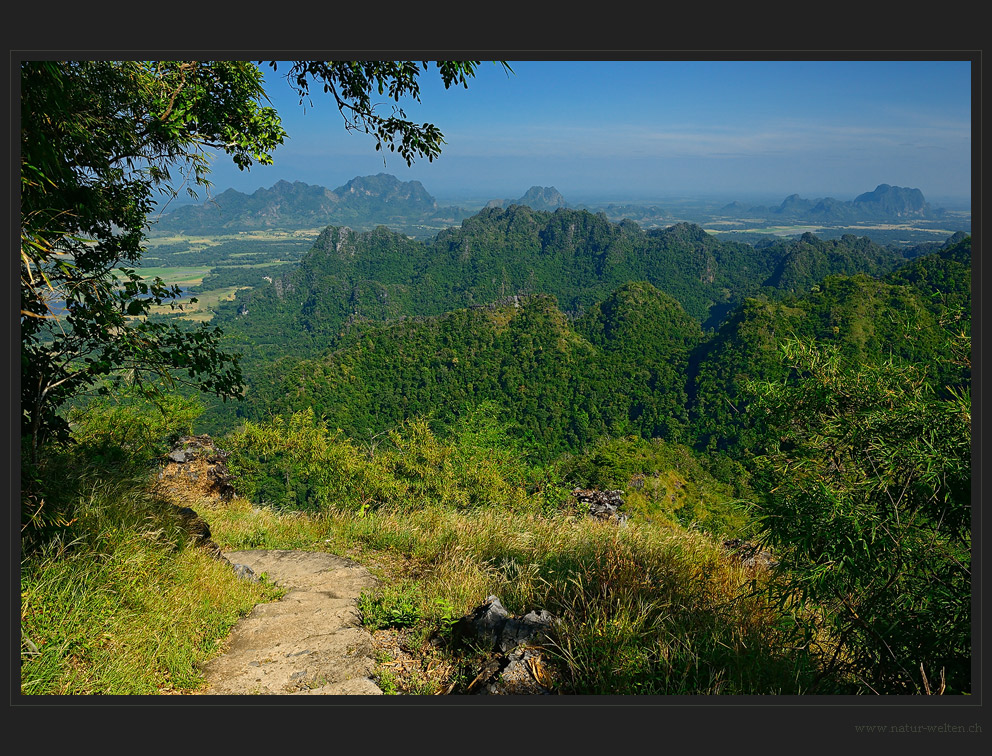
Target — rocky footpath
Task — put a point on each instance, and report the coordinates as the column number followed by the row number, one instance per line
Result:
column 310, row 642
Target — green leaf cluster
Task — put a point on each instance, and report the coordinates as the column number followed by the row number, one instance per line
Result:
column 98, row 138
column 867, row 481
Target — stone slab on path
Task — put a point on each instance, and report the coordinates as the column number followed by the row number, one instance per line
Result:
column 309, row 642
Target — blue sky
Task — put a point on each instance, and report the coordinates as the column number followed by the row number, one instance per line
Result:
column 658, row 129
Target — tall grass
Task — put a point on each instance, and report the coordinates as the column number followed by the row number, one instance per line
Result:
column 115, row 598
column 115, row 601
column 137, row 619
column 649, row 608
column 639, row 609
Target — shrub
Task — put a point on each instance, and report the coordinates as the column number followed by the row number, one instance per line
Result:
column 868, row 475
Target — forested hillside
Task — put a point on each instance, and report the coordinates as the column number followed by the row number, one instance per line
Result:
column 635, row 362
column 867, row 319
column 619, row 369
column 575, row 256
column 577, row 326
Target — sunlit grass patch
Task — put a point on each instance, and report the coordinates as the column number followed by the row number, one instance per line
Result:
column 640, row 610
column 130, row 612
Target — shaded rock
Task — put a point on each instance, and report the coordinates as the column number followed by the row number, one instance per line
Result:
column 221, row 480
column 490, row 627
column 521, row 673
column 533, row 626
column 517, row 668
column 198, row 529
column 193, row 524
column 483, row 626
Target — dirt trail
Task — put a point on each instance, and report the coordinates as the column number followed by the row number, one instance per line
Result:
column 307, row 643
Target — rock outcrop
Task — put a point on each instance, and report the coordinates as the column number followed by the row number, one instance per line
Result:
column 603, row 505
column 195, row 456
column 194, row 470
column 517, row 667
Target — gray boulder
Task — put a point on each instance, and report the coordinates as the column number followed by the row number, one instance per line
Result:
column 517, row 667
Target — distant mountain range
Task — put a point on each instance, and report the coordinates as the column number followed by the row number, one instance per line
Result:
column 405, row 206
column 885, row 203
column 364, row 202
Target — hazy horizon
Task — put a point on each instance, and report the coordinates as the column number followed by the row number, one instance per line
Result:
column 646, row 130
column 478, row 196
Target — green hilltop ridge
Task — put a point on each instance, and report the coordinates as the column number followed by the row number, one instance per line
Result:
column 635, row 362
column 575, row 256
column 809, row 259
column 618, row 369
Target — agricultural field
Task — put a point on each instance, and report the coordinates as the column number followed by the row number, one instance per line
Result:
column 202, row 310
column 185, row 276
column 213, row 268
